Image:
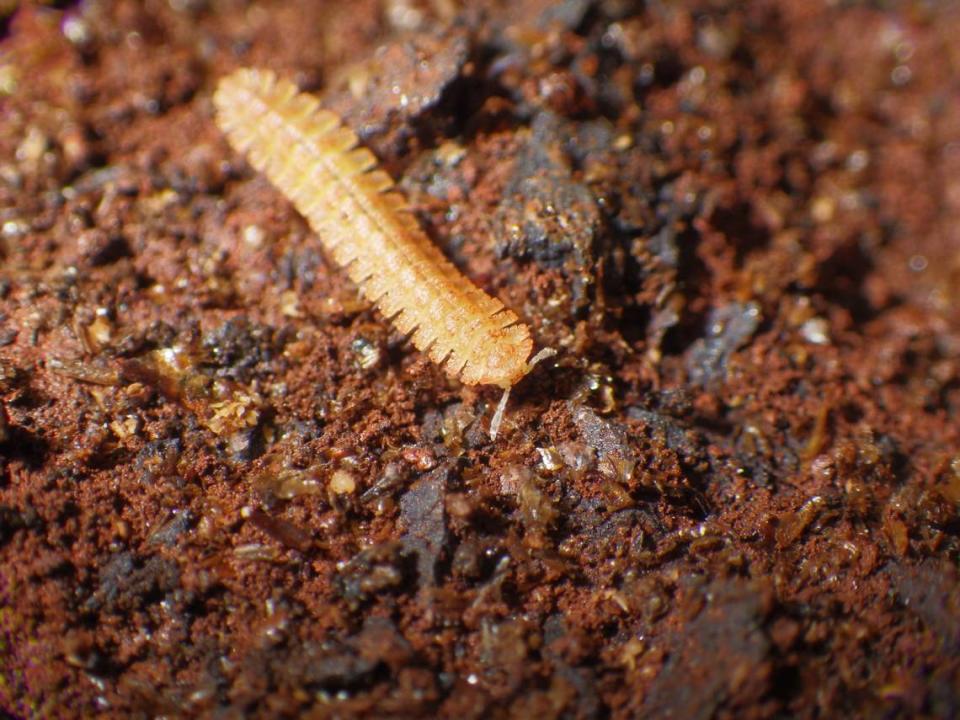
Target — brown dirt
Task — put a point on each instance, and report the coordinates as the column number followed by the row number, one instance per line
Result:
column 228, row 488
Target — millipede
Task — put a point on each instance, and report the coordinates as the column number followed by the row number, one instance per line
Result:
column 369, row 229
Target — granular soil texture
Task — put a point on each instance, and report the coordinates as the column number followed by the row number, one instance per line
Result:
column 228, row 488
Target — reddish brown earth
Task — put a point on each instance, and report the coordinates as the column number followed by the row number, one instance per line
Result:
column 228, row 488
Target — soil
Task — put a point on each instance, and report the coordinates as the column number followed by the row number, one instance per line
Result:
column 228, row 488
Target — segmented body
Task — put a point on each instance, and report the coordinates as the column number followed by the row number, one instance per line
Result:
column 367, row 227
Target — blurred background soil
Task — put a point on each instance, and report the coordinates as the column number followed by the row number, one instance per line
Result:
column 228, row 488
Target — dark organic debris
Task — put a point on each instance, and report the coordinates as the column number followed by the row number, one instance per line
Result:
column 546, row 215
column 728, row 329
column 169, row 532
column 399, row 83
column 381, row 568
column 719, row 660
column 932, row 593
column 129, row 582
column 615, row 457
column 423, row 518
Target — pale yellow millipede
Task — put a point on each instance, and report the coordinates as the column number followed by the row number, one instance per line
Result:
column 366, row 225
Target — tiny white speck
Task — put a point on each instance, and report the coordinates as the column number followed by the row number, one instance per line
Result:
column 816, row 331
column 697, row 75
column 901, row 75
column 14, row 228
column 858, row 160
column 76, row 31
column 253, row 235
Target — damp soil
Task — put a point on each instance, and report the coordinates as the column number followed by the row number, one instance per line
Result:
column 229, row 489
